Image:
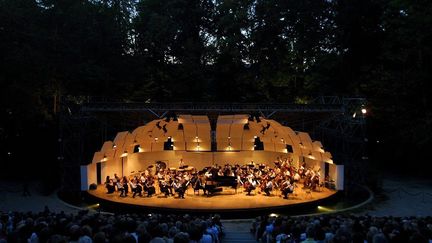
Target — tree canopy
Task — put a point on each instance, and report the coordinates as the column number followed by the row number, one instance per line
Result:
column 222, row 50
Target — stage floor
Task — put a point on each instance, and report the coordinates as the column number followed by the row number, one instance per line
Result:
column 225, row 200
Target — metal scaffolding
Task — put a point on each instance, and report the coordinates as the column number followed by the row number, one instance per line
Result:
column 84, row 126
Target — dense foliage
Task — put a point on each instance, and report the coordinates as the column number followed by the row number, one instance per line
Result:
column 220, row 50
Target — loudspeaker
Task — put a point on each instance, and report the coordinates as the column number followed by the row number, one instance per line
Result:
column 92, row 186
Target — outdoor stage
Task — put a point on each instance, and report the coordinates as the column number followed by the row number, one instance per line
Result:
column 223, row 201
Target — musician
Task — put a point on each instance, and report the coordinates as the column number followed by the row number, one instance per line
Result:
column 178, row 187
column 120, row 188
column 109, row 184
column 143, row 178
column 135, row 187
column 160, row 174
column 250, row 185
column 149, row 187
column 268, row 187
column 296, row 177
column 287, row 188
column 196, row 182
column 314, row 181
column 208, row 174
column 165, row 188
column 116, row 180
column 125, row 183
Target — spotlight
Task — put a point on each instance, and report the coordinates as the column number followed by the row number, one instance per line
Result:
column 363, row 110
column 324, row 209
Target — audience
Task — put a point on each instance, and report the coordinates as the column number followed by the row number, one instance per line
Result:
column 95, row 227
column 341, row 228
column 88, row 226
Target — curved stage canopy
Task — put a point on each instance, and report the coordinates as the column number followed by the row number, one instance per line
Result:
column 193, row 141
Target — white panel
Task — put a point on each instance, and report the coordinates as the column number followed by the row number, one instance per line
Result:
column 97, row 157
column 339, row 177
column 84, row 178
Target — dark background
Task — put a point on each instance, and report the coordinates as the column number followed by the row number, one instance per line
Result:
column 266, row 51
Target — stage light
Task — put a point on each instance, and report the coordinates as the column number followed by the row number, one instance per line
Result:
column 93, row 206
column 324, row 209
column 124, row 154
column 169, row 137
column 363, row 110
column 354, row 115
column 274, row 215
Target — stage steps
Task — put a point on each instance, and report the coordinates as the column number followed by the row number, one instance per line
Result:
column 238, row 232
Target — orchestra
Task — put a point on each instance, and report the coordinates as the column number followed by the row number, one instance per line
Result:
column 283, row 177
